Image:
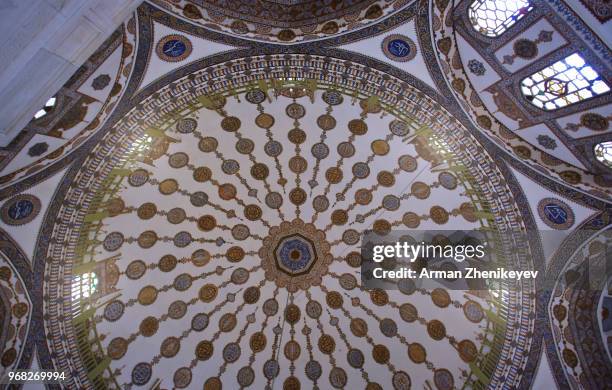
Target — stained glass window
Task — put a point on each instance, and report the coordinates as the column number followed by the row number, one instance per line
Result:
column 48, row 107
column 84, row 286
column 603, row 153
column 493, row 17
column 565, row 82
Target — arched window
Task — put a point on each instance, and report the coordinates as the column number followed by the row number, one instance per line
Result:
column 493, row 17
column 565, row 82
column 84, row 285
column 45, row 110
column 603, row 153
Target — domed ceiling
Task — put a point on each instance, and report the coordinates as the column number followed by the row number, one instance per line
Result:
column 190, row 212
column 283, row 21
column 231, row 226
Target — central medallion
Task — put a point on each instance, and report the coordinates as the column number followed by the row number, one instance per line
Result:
column 295, row 255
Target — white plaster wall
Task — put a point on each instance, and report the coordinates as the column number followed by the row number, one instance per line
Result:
column 43, row 43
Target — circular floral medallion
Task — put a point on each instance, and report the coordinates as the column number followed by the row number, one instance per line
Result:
column 113, row 241
column 473, row 311
column 173, row 48
column 231, row 352
column 337, row 377
column 182, row 282
column 256, row 96
column 117, row 348
column 447, row 180
column 245, row 376
column 20, row 209
column 326, row 122
column 114, row 310
column 136, row 269
column 170, row 347
column 182, row 377
column 417, row 353
column 141, row 374
column 355, row 358
column 176, row 215
column 271, row 369
column 168, row 186
column 436, row 329
column 443, row 379
column 270, row 307
column 147, row 295
column 199, row 322
column 467, row 350
column 146, row 210
column 399, row 48
column 440, row 297
column 138, row 178
column 230, row 124
column 115, row 206
column 265, row 121
column 320, row 150
column 186, row 125
column 333, row 98
column 295, row 111
column 182, row 239
column 388, row 327
column 399, row 128
column 147, row 239
column 401, row 381
column 439, row 215
column 167, row 263
column 273, row 148
column 245, row 146
column 178, row 160
column 358, row 126
column 420, row 190
column 177, row 310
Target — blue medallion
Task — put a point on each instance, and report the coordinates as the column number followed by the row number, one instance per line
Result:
column 295, row 255
column 555, row 213
column 399, row 48
column 141, row 373
column 21, row 209
column 174, row 48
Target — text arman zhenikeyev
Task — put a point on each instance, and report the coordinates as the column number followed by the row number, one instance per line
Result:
column 406, row 252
